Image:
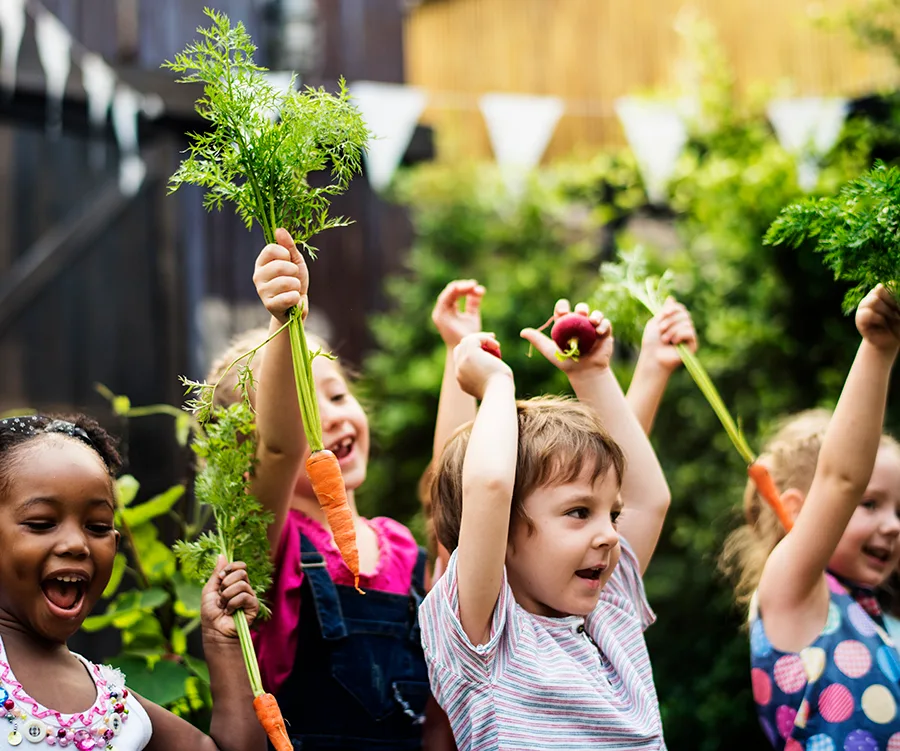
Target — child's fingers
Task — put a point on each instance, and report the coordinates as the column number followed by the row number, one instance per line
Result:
column 604, row 328
column 231, row 578
column 682, row 335
column 272, row 252
column 284, row 239
column 561, row 308
column 243, row 599
column 212, row 584
column 595, row 317
column 582, row 309
column 473, row 299
column 541, row 342
column 227, row 594
column 673, row 321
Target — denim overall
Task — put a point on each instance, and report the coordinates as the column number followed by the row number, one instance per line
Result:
column 359, row 679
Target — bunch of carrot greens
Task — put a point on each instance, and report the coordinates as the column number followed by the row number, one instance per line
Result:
column 258, row 153
column 629, row 293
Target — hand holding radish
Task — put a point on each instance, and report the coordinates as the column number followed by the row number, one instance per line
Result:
column 587, row 331
column 453, row 322
column 227, row 590
column 476, row 365
column 281, row 277
column 671, row 326
column 878, row 320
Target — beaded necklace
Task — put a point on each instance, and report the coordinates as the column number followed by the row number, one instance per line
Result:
column 98, row 726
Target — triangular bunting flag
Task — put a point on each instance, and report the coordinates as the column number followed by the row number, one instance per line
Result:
column 125, row 108
column 12, row 26
column 99, row 81
column 391, row 112
column 54, row 45
column 808, row 128
column 656, row 133
column 520, row 127
column 282, row 81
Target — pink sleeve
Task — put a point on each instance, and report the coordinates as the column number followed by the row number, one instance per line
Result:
column 275, row 639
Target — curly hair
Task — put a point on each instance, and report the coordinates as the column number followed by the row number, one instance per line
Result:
column 21, row 431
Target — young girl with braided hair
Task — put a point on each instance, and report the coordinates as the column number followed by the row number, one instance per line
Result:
column 57, row 534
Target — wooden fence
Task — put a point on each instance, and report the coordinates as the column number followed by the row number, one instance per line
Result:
column 589, row 52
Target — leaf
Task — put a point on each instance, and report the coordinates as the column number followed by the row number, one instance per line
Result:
column 183, row 427
column 162, row 685
column 115, row 578
column 179, row 641
column 126, row 490
column 156, row 506
column 189, row 595
column 198, row 667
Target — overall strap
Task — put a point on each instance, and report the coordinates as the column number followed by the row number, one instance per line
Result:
column 417, row 594
column 324, row 592
column 418, row 573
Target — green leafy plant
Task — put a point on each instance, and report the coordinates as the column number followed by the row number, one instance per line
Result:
column 856, row 231
column 160, row 607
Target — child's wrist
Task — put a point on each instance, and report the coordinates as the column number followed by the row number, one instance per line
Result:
column 212, row 635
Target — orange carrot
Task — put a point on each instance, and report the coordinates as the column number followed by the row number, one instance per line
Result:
column 269, row 715
column 766, row 487
column 328, row 484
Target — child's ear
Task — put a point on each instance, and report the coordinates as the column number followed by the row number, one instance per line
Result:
column 792, row 499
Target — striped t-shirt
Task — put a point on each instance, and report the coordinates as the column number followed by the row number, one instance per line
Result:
column 539, row 682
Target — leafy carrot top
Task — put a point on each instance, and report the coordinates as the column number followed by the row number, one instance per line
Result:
column 264, row 143
column 855, row 231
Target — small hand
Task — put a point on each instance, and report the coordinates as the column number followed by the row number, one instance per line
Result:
column 475, row 367
column 452, row 322
column 281, row 277
column 878, row 320
column 227, row 590
column 671, row 326
column 599, row 356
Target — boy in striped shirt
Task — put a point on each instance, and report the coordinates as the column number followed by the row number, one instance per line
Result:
column 534, row 635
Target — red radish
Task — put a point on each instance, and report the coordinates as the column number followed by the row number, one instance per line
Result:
column 574, row 334
column 492, row 346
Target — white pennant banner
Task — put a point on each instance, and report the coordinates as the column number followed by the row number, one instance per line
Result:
column 808, row 128
column 54, row 44
column 656, row 133
column 126, row 107
column 282, row 81
column 520, row 127
column 99, row 81
column 391, row 112
column 12, row 26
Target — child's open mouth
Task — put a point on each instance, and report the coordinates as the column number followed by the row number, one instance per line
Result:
column 590, row 573
column 342, row 448
column 878, row 553
column 65, row 592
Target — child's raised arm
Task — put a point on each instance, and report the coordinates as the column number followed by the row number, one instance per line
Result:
column 645, row 492
column 659, row 359
column 792, row 589
column 489, row 474
column 455, row 407
column 282, row 282
column 234, row 726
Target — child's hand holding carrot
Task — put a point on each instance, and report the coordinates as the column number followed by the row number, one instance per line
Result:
column 587, row 331
column 453, row 322
column 878, row 320
column 475, row 367
column 281, row 277
column 671, row 326
column 227, row 590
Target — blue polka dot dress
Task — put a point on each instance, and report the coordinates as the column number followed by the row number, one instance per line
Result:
column 841, row 693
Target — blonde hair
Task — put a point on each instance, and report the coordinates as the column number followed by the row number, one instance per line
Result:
column 227, row 392
column 790, row 455
column 557, row 438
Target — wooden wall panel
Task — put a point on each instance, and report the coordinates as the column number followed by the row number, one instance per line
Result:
column 589, row 52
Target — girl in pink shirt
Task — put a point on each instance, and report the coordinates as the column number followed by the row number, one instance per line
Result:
column 347, row 669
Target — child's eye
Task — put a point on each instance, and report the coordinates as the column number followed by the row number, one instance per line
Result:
column 578, row 513
column 100, row 529
column 869, row 505
column 615, row 516
column 338, row 398
column 38, row 526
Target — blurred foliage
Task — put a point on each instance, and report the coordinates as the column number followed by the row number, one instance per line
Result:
column 773, row 338
column 150, row 602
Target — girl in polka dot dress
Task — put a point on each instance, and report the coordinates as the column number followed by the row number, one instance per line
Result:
column 824, row 671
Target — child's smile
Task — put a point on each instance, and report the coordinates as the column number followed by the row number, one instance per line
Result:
column 57, row 537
